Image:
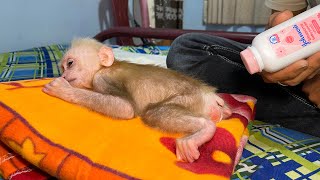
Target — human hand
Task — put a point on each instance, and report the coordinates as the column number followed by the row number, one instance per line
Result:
column 312, row 89
column 297, row 72
column 60, row 88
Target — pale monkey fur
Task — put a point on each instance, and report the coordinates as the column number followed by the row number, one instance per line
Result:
column 165, row 99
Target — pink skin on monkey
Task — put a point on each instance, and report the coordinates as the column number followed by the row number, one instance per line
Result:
column 164, row 99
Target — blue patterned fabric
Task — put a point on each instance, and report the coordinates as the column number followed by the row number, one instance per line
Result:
column 274, row 152
column 156, row 50
column 44, row 61
column 31, row 64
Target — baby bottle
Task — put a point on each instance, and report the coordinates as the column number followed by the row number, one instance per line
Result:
column 277, row 47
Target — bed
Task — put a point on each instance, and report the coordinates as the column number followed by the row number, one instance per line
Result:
column 272, row 152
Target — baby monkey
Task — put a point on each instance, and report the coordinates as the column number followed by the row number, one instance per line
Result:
column 164, row 99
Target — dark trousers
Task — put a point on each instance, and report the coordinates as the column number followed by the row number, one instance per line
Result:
column 216, row 61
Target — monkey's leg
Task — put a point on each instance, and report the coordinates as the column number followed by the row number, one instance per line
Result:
column 176, row 118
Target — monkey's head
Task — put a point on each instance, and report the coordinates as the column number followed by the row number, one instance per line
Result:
column 83, row 60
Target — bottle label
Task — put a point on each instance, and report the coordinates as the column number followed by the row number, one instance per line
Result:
column 297, row 36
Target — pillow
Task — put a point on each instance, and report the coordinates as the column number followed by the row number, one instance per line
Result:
column 68, row 141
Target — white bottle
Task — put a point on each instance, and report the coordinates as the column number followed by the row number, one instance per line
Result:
column 280, row 46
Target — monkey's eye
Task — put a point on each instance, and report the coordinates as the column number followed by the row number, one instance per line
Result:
column 69, row 63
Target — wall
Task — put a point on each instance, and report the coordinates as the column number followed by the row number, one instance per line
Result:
column 33, row 23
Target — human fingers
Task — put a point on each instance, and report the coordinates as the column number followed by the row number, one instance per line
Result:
column 311, row 88
column 312, row 69
column 279, row 17
column 288, row 73
column 314, row 65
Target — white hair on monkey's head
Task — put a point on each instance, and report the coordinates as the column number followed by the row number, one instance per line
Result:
column 87, row 42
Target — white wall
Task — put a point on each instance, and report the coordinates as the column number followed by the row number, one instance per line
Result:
column 32, row 23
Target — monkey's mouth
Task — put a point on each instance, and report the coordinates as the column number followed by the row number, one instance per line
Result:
column 71, row 80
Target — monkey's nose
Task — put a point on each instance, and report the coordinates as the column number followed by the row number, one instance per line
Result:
column 226, row 112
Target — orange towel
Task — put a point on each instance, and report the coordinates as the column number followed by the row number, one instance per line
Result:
column 71, row 142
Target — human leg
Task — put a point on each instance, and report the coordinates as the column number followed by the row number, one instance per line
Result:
column 217, row 61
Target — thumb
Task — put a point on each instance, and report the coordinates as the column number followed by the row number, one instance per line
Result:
column 279, row 17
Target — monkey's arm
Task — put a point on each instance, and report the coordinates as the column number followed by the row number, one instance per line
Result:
column 109, row 105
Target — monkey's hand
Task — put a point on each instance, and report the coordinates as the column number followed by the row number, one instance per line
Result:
column 60, row 88
column 187, row 147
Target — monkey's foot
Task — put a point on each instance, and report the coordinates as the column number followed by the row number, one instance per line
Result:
column 187, row 147
column 243, row 142
column 186, row 150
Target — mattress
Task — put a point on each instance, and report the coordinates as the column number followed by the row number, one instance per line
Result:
column 272, row 151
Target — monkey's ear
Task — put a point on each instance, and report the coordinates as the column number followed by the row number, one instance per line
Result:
column 106, row 56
